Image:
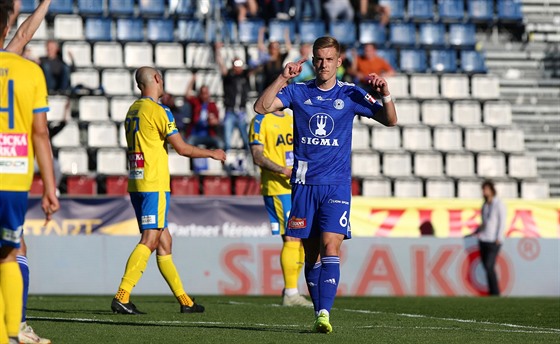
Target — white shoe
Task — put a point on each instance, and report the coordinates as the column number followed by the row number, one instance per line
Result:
column 13, row 341
column 28, row 336
column 296, row 300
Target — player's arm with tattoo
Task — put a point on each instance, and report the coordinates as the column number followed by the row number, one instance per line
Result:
column 263, row 162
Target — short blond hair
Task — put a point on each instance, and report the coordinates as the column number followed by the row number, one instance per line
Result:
column 326, row 42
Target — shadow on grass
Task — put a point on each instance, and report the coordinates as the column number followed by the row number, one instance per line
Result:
column 60, row 311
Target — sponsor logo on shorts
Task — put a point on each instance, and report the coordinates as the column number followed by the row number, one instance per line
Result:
column 330, row 281
column 338, row 201
column 297, row 223
column 148, row 219
column 11, row 235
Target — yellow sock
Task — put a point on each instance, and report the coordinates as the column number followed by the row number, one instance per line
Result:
column 135, row 266
column 11, row 284
column 3, row 332
column 301, row 261
column 289, row 258
column 169, row 272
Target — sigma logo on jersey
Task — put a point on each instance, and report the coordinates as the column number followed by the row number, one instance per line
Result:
column 136, row 165
column 14, row 149
column 297, row 223
column 148, row 219
column 321, row 125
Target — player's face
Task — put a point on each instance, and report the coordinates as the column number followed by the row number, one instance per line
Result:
column 326, row 61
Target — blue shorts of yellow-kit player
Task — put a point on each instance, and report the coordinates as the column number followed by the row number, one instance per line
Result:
column 278, row 208
column 151, row 209
column 13, row 206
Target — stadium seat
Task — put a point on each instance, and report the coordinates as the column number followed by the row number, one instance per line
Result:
column 191, row 31
column 455, row 86
column 138, row 54
column 246, row 186
column 107, row 55
column 443, row 61
column 419, row 10
column 57, row 107
column 119, row 107
column 121, row 7
column 151, row 7
column 510, row 10
column 462, row 35
column 309, row 31
column 160, row 30
column 185, row 186
column 182, row 8
column 116, row 82
column 169, row 55
column 402, row 34
column 481, row 10
column 81, row 186
column 207, row 166
column 130, row 29
column 230, row 52
column 344, row 31
column 365, row 164
column 102, row 134
column 356, row 186
column 248, row 31
column 81, row 51
column 424, row 86
column 68, row 27
column 396, row 164
column 116, row 185
column 199, row 56
column 390, row 55
column 408, row 188
column 40, row 34
column 89, row 7
column 467, row 112
column 408, row 112
column 399, row 85
column 479, row 139
column 510, row 140
column 459, row 165
column 485, row 87
column 376, row 188
column 428, row 164
column 99, row 29
column 451, row 10
column 176, row 81
column 37, row 186
column 73, row 161
column 111, row 161
column 396, row 8
column 491, row 165
column 506, row 188
column 469, row 189
column 472, row 62
column 360, row 138
column 122, row 135
column 179, row 165
column 522, row 166
column 27, row 6
column 372, row 32
column 413, row 61
column 277, row 30
column 93, row 108
column 535, row 190
column 497, row 113
column 385, row 139
column 85, row 77
column 216, row 186
column 448, row 139
column 436, row 112
column 61, row 7
column 432, row 34
column 417, row 138
column 440, row 188
column 68, row 137
column 214, row 81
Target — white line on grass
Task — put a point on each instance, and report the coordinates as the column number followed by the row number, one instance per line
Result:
column 454, row 329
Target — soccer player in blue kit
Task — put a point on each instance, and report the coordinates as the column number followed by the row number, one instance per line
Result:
column 324, row 110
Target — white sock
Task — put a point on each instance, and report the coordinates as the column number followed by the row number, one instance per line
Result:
column 324, row 311
column 291, row 291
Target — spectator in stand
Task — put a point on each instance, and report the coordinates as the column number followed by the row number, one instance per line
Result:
column 371, row 9
column 282, row 8
column 244, row 7
column 182, row 114
column 343, row 72
column 203, row 127
column 236, row 92
column 57, row 72
column 307, row 70
column 300, row 9
column 339, row 10
column 271, row 58
column 369, row 63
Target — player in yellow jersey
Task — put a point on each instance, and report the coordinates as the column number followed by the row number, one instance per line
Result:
column 270, row 138
column 149, row 127
column 23, row 133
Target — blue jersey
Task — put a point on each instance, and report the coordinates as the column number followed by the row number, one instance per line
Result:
column 323, row 129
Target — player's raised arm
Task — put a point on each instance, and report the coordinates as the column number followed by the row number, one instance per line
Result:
column 268, row 102
column 191, row 151
column 25, row 32
column 388, row 114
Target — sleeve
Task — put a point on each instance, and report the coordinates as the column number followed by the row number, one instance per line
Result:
column 365, row 104
column 165, row 122
column 286, row 95
column 256, row 135
column 41, row 97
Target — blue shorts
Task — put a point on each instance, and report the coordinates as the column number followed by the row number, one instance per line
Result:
column 278, row 208
column 319, row 208
column 13, row 206
column 151, row 209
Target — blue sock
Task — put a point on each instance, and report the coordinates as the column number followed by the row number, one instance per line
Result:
column 22, row 261
column 330, row 275
column 312, row 275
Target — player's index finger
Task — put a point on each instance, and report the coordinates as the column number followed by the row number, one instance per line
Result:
column 302, row 61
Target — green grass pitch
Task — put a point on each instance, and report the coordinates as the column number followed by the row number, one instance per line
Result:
column 88, row 319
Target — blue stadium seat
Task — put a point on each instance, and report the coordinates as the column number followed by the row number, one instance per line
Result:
column 248, row 31
column 182, row 8
column 27, row 6
column 413, row 61
column 472, row 62
column 190, row 31
column 432, row 34
column 61, row 6
column 421, row 9
column 131, row 30
column 309, row 31
column 372, row 32
column 98, row 29
column 462, row 35
column 160, row 30
column 451, row 10
column 443, row 61
column 151, row 7
column 344, row 31
column 277, row 29
column 509, row 10
column 88, row 7
column 390, row 55
column 396, row 7
column 403, row 34
column 481, row 10
column 121, row 7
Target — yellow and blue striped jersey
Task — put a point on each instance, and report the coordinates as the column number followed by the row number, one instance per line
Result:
column 275, row 133
column 147, row 125
column 23, row 93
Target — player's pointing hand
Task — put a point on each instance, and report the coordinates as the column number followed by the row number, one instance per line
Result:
column 292, row 69
column 219, row 155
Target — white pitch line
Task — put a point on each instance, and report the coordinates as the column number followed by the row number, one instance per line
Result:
column 455, row 329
